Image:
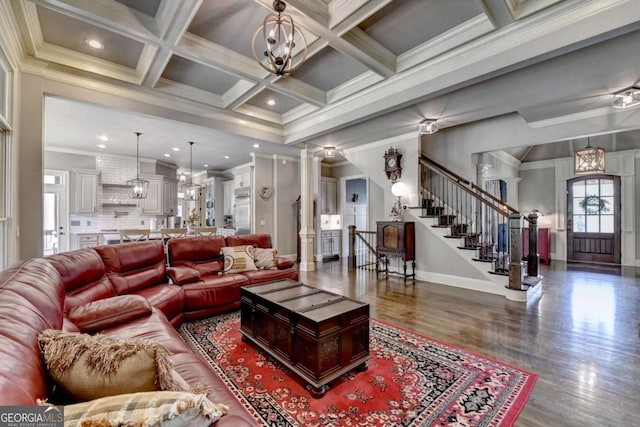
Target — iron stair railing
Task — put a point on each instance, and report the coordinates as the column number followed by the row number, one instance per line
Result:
column 362, row 249
column 485, row 224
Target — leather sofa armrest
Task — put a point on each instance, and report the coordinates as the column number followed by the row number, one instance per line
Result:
column 284, row 263
column 182, row 275
column 101, row 314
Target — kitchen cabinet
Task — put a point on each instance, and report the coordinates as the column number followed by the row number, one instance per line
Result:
column 331, row 243
column 328, row 195
column 85, row 240
column 162, row 196
column 242, row 179
column 84, row 190
column 170, row 197
column 228, row 200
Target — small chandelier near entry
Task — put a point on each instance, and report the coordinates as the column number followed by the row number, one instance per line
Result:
column 279, row 35
column 191, row 191
column 138, row 187
column 589, row 160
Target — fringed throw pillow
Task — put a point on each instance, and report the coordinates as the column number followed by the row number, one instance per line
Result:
column 265, row 259
column 160, row 408
column 85, row 367
column 238, row 259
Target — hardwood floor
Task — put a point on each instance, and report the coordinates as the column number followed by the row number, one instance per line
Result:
column 582, row 336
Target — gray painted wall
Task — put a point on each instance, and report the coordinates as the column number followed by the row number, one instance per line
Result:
column 637, row 210
column 263, row 208
column 287, row 191
column 538, row 191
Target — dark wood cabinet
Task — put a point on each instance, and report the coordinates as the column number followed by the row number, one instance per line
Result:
column 396, row 240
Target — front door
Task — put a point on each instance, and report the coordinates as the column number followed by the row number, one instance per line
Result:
column 593, row 219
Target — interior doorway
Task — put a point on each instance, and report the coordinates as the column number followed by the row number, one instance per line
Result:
column 56, row 213
column 354, row 207
column 593, row 219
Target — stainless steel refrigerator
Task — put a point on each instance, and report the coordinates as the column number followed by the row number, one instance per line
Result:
column 242, row 211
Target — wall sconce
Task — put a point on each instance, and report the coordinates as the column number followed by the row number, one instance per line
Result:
column 627, row 98
column 428, row 127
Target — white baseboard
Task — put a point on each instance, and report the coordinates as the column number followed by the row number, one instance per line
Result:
column 480, row 285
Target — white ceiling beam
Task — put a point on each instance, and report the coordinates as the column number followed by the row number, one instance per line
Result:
column 316, row 10
column 181, row 14
column 353, row 12
column 235, row 104
column 204, row 52
column 297, row 88
column 367, row 51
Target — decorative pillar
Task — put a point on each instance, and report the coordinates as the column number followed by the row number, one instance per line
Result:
column 516, row 266
column 307, row 233
column 533, row 259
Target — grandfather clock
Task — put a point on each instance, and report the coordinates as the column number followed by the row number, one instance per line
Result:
column 396, row 240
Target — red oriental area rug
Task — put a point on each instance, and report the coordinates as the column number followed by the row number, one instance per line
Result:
column 411, row 381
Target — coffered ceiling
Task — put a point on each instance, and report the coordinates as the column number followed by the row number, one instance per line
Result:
column 366, row 59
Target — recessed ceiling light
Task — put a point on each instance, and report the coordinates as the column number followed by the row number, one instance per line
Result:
column 101, row 146
column 104, row 138
column 206, row 166
column 271, row 102
column 226, row 157
column 167, row 155
column 256, row 145
column 242, row 122
column 175, row 149
column 94, row 43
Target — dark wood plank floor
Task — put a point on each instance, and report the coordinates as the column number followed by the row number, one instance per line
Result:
column 582, row 336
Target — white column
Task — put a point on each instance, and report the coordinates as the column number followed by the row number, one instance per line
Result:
column 307, row 233
column 513, row 186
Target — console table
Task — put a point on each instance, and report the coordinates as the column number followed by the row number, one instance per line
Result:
column 396, row 239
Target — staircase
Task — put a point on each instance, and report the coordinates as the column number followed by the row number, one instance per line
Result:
column 480, row 232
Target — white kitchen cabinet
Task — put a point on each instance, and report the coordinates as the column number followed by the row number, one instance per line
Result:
column 228, row 200
column 331, row 243
column 242, row 179
column 162, row 196
column 86, row 240
column 84, row 190
column 170, row 197
column 328, row 195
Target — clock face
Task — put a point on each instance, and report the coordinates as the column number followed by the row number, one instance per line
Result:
column 265, row 192
column 391, row 162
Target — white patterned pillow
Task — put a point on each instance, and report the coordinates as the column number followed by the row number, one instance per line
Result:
column 238, row 259
column 158, row 408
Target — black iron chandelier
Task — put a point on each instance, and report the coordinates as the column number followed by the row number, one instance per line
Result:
column 278, row 40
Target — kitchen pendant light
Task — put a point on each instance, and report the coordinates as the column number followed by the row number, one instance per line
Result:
column 191, row 191
column 138, row 187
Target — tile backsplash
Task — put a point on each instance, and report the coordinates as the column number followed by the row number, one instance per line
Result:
column 115, row 209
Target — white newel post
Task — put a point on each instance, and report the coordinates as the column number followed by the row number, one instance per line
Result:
column 307, row 233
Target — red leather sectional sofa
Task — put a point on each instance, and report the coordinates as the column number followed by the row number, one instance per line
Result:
column 122, row 291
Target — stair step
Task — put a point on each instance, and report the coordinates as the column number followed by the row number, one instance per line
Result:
column 452, row 236
column 469, row 248
column 499, row 272
column 484, row 259
column 446, row 219
column 439, row 226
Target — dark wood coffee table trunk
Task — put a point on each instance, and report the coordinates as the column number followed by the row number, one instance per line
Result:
column 317, row 334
